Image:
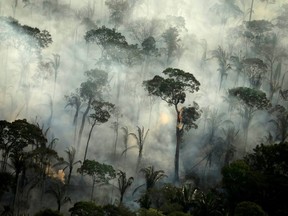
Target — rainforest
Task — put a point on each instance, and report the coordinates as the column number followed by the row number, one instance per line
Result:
column 143, row 107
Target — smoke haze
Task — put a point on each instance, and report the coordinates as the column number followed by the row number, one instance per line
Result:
column 201, row 30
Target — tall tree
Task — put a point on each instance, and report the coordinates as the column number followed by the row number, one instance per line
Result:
column 151, row 176
column 55, row 65
column 171, row 39
column 280, row 122
column 58, row 190
column 123, row 184
column 173, row 91
column 109, row 40
column 226, row 9
column 102, row 112
column 74, row 100
column 249, row 101
column 90, row 90
column 140, row 138
column 222, row 58
column 70, row 162
column 119, row 9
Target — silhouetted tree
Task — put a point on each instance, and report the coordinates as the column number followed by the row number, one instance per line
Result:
column 173, row 91
column 226, row 9
column 224, row 66
column 110, row 42
column 100, row 173
column 280, row 121
column 140, row 141
column 123, row 184
column 74, row 100
column 90, row 90
column 70, row 162
column 84, row 208
column 249, row 101
column 58, row 190
column 151, row 178
column 102, row 112
column 171, row 39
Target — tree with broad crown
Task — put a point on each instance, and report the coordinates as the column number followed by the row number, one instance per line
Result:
column 109, row 40
column 100, row 115
column 84, row 208
column 173, row 90
column 97, row 81
column 249, row 101
column 100, row 173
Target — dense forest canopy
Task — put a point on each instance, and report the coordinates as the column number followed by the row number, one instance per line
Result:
column 118, row 107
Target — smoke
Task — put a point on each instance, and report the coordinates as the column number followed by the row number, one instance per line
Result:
column 201, row 30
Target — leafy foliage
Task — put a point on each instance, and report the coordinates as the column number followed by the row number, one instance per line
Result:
column 101, row 173
column 152, row 176
column 261, row 178
column 31, row 35
column 123, row 183
column 253, row 99
column 172, row 89
column 83, row 208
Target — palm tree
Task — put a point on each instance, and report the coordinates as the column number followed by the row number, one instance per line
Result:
column 226, row 9
column 237, row 66
column 123, row 184
column 70, row 162
column 152, row 176
column 125, row 139
column 222, row 58
column 115, row 127
column 74, row 100
column 55, row 65
column 140, row 140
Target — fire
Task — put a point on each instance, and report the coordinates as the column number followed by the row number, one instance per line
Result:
column 56, row 174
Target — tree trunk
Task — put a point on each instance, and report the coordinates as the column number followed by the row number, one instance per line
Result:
column 246, row 122
column 83, row 122
column 88, row 140
column 69, row 175
column 178, row 141
column 251, row 10
column 116, row 137
column 93, row 185
column 59, row 205
column 139, row 159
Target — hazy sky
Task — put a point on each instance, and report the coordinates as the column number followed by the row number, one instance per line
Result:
column 33, row 101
